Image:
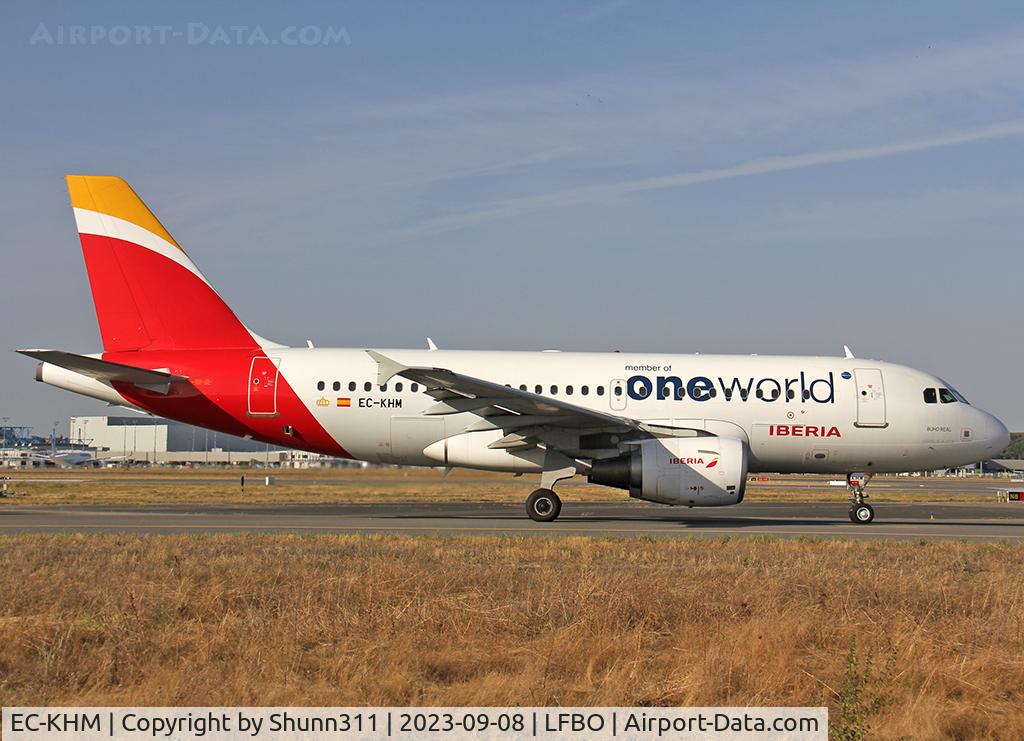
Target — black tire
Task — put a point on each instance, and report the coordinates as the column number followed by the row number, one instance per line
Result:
column 543, row 506
column 862, row 514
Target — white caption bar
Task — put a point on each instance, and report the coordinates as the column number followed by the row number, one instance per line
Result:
column 411, row 724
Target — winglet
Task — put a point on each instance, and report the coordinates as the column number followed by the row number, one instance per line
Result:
column 847, row 353
column 386, row 367
column 430, row 345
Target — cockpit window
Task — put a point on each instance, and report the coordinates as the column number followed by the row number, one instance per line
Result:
column 948, row 394
column 930, row 396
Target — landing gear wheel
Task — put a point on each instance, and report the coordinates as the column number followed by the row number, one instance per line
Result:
column 543, row 505
column 862, row 514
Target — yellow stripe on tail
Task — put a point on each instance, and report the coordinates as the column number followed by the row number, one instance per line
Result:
column 114, row 197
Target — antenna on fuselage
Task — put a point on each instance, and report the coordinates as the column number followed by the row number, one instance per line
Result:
column 430, row 345
column 847, row 352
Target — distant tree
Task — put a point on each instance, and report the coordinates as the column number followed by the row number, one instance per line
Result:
column 1016, row 447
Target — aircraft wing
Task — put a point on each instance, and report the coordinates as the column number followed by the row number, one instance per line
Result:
column 103, row 370
column 527, row 418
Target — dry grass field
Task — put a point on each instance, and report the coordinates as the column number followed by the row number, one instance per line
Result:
column 348, row 485
column 910, row 640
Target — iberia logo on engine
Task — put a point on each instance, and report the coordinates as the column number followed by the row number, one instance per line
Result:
column 711, row 463
column 803, row 431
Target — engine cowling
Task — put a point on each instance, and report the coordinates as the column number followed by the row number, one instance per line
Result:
column 690, row 471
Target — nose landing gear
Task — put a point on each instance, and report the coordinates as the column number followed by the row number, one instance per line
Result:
column 860, row 512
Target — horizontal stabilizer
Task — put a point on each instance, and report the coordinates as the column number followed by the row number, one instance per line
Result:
column 103, row 370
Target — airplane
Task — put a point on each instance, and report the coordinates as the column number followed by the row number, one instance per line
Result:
column 17, row 457
column 683, row 430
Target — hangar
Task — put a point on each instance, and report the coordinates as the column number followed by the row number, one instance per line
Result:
column 153, row 440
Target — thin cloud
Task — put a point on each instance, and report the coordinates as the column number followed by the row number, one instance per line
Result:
column 595, row 193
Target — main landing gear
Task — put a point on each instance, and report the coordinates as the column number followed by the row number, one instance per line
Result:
column 860, row 512
column 544, row 505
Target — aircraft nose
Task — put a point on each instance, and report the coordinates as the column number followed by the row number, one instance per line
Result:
column 996, row 436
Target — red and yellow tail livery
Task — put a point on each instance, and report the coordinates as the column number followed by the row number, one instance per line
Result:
column 171, row 346
column 148, row 294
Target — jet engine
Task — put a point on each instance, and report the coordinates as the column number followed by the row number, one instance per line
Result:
column 692, row 471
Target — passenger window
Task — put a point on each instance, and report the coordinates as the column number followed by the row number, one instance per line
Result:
column 946, row 396
column 522, row 387
column 568, row 390
column 398, row 387
column 351, row 385
column 320, row 386
column 367, row 386
column 384, row 387
column 618, row 390
column 538, row 389
column 929, row 396
column 554, row 390
column 414, row 388
column 336, row 386
column 600, row 391
column 584, row 390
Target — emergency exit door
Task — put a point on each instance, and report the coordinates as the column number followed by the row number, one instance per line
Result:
column 870, row 398
column 263, row 387
column 617, row 394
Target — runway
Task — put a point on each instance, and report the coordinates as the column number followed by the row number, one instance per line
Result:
column 974, row 486
column 938, row 522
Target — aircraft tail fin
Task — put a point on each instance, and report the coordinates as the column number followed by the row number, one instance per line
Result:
column 148, row 294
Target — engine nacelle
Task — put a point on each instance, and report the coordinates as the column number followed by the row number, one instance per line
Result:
column 691, row 471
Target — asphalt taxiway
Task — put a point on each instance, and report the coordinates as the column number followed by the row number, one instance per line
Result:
column 939, row 522
column 966, row 486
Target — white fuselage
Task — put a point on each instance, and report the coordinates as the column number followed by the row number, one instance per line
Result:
column 796, row 414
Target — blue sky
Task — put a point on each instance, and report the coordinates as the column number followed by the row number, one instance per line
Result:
column 744, row 177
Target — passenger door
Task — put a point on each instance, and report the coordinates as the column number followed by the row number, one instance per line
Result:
column 870, row 398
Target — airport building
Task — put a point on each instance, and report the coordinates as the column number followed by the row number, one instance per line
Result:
column 1006, row 466
column 137, row 439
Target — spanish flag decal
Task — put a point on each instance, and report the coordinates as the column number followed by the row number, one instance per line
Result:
column 344, row 402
